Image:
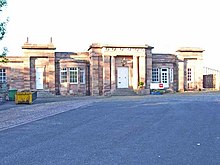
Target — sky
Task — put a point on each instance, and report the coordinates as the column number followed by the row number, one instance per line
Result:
column 75, row 24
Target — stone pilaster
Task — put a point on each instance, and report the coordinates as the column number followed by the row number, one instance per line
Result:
column 94, row 75
column 148, row 69
column 51, row 74
column 142, row 70
column 95, row 69
column 199, row 71
column 113, row 74
column 32, row 74
column 135, row 72
column 106, row 75
column 181, row 77
column 26, row 73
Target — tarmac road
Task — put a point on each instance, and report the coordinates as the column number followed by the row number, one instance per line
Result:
column 164, row 130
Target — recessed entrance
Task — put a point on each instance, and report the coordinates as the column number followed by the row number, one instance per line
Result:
column 122, row 77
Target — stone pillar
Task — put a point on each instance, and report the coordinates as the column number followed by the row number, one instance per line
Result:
column 51, row 74
column 181, row 77
column 142, row 70
column 199, row 71
column 26, row 73
column 135, row 73
column 95, row 69
column 94, row 75
column 106, row 75
column 113, row 74
column 148, row 59
column 32, row 74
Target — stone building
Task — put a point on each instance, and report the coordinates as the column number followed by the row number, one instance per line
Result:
column 102, row 70
column 190, row 67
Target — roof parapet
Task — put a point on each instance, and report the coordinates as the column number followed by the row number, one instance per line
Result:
column 98, row 45
column 28, row 45
column 190, row 49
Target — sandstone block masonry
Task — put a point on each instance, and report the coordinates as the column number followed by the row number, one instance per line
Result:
column 103, row 69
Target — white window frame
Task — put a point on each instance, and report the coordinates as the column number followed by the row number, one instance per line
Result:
column 82, row 76
column 3, row 77
column 74, row 71
column 155, row 74
column 63, row 77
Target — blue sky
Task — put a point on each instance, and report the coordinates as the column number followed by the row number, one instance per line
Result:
column 75, row 24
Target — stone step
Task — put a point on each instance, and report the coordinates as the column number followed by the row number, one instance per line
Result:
column 124, row 92
column 44, row 94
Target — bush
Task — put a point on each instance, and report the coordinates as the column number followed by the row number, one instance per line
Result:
column 141, row 84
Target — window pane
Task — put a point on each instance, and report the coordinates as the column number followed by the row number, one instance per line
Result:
column 2, row 75
column 189, row 74
column 73, row 75
column 63, row 75
column 82, row 76
column 155, row 75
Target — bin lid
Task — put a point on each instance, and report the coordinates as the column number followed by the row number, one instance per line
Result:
column 12, row 89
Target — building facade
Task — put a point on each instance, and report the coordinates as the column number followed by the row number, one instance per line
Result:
column 102, row 70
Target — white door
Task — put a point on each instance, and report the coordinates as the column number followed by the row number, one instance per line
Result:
column 164, row 77
column 122, row 77
column 39, row 78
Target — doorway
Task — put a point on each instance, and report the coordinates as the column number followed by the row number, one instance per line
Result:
column 39, row 78
column 164, row 77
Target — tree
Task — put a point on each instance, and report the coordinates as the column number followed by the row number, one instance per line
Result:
column 3, row 24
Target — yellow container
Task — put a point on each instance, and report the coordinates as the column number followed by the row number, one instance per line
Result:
column 25, row 97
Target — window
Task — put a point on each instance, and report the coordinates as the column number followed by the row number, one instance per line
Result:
column 189, row 74
column 171, row 75
column 155, row 75
column 82, row 76
column 73, row 75
column 2, row 75
column 63, row 75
